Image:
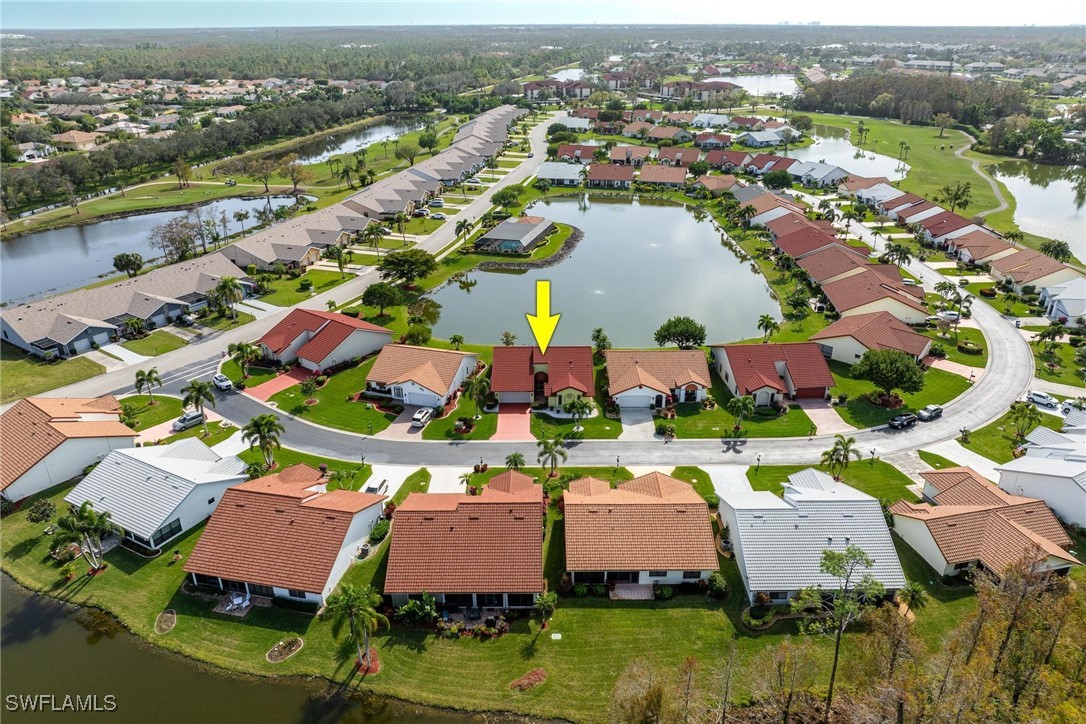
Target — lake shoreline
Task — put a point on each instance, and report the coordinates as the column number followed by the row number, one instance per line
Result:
column 329, row 689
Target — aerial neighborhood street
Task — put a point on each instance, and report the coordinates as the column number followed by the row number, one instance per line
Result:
column 699, row 381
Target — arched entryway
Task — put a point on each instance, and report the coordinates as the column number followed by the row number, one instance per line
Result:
column 540, row 385
column 690, row 393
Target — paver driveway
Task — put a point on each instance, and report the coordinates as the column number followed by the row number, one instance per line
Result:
column 514, row 423
column 265, row 390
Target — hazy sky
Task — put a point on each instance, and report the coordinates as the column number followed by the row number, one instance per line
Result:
column 47, row 14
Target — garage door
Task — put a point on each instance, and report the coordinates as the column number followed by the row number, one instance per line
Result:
column 517, row 397
column 82, row 344
column 811, row 392
column 637, row 400
column 102, row 339
column 422, row 399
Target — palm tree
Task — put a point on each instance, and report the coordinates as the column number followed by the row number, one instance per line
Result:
column 148, row 379
column 462, row 227
column 1015, row 237
column 263, row 432
column 372, row 236
column 913, row 596
column 345, row 175
column 1024, row 417
column 899, row 254
column 243, row 354
column 745, row 213
column 514, row 461
column 241, row 217
column 230, row 291
column 85, row 527
column 133, row 326
column 768, row 325
column 456, row 340
column 196, row 394
column 358, row 608
column 477, row 388
column 578, row 408
column 552, row 452
column 400, row 219
column 740, row 408
column 840, row 455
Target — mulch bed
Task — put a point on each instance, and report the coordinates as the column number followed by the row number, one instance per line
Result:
column 532, row 679
column 375, row 664
column 311, row 401
column 166, row 621
column 284, row 650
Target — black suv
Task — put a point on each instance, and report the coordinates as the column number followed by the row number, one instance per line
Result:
column 906, row 420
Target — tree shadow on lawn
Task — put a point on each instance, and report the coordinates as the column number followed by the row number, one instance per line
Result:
column 25, row 547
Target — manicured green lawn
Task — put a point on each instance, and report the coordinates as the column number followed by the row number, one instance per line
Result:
column 257, row 375
column 285, row 457
column 147, row 415
column 154, row 344
column 965, row 334
column 879, row 479
column 997, row 440
column 332, row 408
column 599, row 427
column 1066, row 371
column 220, row 322
column 218, row 433
column 1018, row 309
column 24, row 376
column 416, row 482
column 700, row 480
column 693, row 421
column 442, row 428
column 939, row 388
column 936, row 461
column 287, row 292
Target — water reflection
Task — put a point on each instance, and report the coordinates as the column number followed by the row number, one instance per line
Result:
column 325, row 147
column 1048, row 200
column 832, row 146
column 761, row 85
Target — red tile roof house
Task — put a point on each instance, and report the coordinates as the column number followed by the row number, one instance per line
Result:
column 847, row 339
column 637, row 129
column 656, row 377
column 630, row 155
column 974, row 524
column 668, row 133
column 837, row 262
column 943, row 227
column 872, row 291
column 728, row 160
column 717, row 185
column 283, row 536
column 576, row 152
column 421, row 376
column 747, row 123
column 482, row 551
column 772, row 372
column 672, row 156
column 320, row 340
column 980, row 247
column 652, row 529
column 765, row 162
column 708, row 140
column 673, row 177
column 526, row 375
column 768, row 207
column 610, row 176
column 1028, row 267
column 45, row 441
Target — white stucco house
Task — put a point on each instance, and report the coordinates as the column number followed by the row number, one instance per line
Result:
column 1066, row 300
column 318, row 340
column 421, row 376
column 157, row 492
column 284, row 536
column 45, row 441
column 656, row 377
column 1053, row 470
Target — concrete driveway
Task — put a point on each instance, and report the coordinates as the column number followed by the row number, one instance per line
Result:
column 394, row 475
column 514, row 423
column 445, row 479
column 124, row 354
column 825, row 417
column 164, row 429
column 728, row 478
column 637, row 424
column 401, row 428
column 265, row 390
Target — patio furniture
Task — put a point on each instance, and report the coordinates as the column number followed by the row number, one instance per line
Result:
column 236, row 599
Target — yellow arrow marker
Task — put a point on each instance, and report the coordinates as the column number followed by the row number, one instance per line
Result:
column 543, row 323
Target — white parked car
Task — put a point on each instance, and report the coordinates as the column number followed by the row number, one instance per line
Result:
column 949, row 316
column 1042, row 398
column 421, row 417
column 438, row 216
column 192, row 418
column 222, row 382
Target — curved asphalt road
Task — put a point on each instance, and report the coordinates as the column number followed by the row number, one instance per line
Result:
column 1009, row 373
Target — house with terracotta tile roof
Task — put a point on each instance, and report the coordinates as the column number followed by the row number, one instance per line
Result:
column 469, row 551
column 656, row 377
column 1028, row 267
column 157, row 492
column 778, row 541
column 652, row 529
column 708, row 140
column 45, row 441
column 672, row 177
column 318, row 340
column 872, row 291
column 917, row 213
column 980, row 247
column 772, row 372
column 610, row 176
column 941, row 228
column 968, row 523
column 675, row 156
column 669, row 133
column 628, row 155
column 716, row 185
column 576, row 152
column 525, row 375
column 854, row 183
column 747, row 123
column 805, row 240
column 768, row 207
column 637, row 129
column 834, row 262
column 728, row 160
column 849, row 338
column 283, row 536
column 422, row 376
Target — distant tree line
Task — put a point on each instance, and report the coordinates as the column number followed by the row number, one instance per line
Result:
column 916, row 98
